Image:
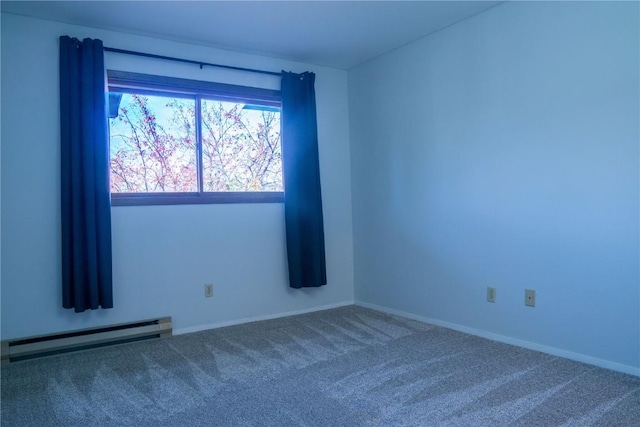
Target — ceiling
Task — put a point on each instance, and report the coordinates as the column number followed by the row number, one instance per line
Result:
column 339, row 34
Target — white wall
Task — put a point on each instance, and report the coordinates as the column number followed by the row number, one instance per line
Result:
column 163, row 255
column 503, row 151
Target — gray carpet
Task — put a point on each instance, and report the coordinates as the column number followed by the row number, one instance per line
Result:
column 344, row 367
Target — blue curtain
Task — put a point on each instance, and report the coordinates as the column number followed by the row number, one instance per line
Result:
column 302, row 195
column 86, row 199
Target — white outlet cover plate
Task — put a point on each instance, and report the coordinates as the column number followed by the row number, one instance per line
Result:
column 530, row 297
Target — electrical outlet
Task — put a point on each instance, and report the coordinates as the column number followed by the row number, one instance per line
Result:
column 491, row 294
column 208, row 290
column 530, row 297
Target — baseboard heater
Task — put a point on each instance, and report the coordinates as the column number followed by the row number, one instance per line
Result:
column 46, row 345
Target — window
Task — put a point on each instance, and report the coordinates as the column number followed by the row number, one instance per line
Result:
column 176, row 141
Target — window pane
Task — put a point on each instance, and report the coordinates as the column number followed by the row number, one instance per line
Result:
column 153, row 145
column 240, row 147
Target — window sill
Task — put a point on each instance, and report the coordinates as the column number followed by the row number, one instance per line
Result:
column 151, row 199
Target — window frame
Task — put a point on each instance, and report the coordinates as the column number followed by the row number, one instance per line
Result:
column 147, row 84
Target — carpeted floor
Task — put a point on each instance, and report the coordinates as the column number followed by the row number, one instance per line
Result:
column 344, row 367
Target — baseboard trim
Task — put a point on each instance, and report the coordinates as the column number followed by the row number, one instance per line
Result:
column 578, row 357
column 190, row 329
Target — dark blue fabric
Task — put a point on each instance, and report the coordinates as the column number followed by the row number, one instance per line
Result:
column 86, row 198
column 302, row 194
column 114, row 104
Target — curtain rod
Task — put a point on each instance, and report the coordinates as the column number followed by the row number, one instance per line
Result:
column 189, row 61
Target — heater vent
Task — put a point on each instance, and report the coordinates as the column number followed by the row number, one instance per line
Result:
column 46, row 345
